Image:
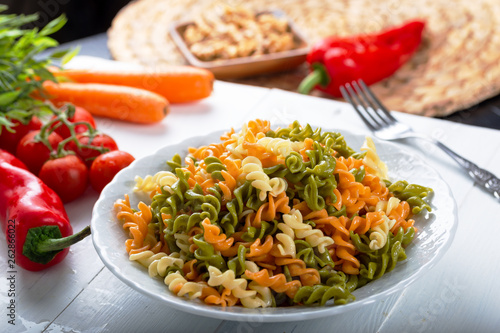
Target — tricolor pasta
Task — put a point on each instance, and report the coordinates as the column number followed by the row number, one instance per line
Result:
column 272, row 218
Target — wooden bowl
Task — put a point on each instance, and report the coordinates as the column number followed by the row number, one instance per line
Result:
column 246, row 66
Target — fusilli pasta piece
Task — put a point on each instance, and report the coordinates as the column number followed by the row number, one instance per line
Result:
column 180, row 286
column 372, row 160
column 252, row 167
column 162, row 179
column 281, row 147
column 159, row 263
column 314, row 237
column 228, row 279
column 379, row 234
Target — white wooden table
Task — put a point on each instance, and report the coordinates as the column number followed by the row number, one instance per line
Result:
column 460, row 294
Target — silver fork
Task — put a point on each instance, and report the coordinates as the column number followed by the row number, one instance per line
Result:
column 384, row 126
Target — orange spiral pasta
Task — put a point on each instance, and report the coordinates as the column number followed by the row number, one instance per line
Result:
column 203, row 152
column 400, row 214
column 224, row 299
column 277, row 282
column 212, row 235
column 269, row 210
column 344, row 249
column 297, row 267
column 258, row 250
column 137, row 225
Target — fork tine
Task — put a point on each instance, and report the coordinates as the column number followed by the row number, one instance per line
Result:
column 372, row 121
column 347, row 97
column 376, row 112
column 380, row 106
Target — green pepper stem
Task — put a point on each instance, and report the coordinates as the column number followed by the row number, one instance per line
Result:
column 310, row 81
column 318, row 76
column 56, row 244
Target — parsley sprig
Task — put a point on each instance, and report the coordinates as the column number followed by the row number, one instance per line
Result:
column 22, row 70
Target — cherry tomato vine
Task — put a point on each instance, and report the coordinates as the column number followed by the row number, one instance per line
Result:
column 62, row 152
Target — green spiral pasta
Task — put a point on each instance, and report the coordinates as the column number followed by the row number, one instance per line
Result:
column 266, row 228
column 320, row 294
column 175, row 162
column 323, row 259
column 359, row 174
column 294, row 132
column 375, row 263
column 237, row 264
column 314, row 180
column 216, row 191
column 278, row 170
column 206, row 253
column 331, row 277
column 332, row 211
column 214, row 167
column 411, row 193
column 305, row 252
column 244, row 196
column 299, row 133
column 180, row 197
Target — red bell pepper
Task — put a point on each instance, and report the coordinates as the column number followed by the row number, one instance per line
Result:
column 33, row 218
column 335, row 61
column 11, row 159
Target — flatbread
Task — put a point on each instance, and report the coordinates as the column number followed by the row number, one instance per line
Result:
column 457, row 65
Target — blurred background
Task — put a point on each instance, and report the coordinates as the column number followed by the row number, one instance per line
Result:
column 85, row 17
column 90, row 17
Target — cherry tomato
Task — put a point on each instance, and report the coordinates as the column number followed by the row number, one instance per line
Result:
column 106, row 166
column 9, row 141
column 81, row 114
column 67, row 176
column 87, row 154
column 33, row 153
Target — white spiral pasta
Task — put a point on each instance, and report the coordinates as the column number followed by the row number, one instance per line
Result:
column 387, row 206
column 157, row 264
column 252, row 168
column 176, row 280
column 236, row 148
column 278, row 186
column 315, row 237
column 251, row 266
column 380, row 233
column 372, row 160
column 164, row 179
column 262, row 299
column 287, row 246
column 228, row 279
column 279, row 146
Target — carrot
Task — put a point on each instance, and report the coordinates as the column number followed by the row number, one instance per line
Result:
column 178, row 84
column 112, row 101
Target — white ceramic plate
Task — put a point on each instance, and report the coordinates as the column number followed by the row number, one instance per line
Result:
column 436, row 231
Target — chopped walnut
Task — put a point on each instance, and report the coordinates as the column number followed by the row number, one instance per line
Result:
column 238, row 33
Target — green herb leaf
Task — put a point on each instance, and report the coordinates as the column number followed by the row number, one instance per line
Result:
column 69, row 55
column 54, row 26
column 22, row 70
column 9, row 97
